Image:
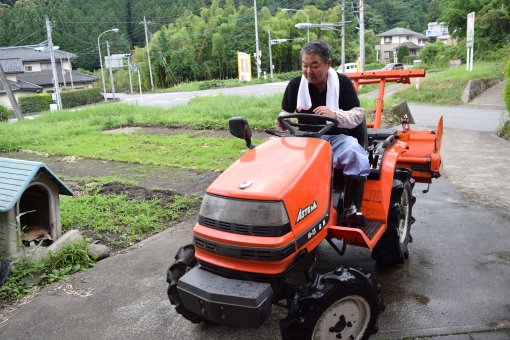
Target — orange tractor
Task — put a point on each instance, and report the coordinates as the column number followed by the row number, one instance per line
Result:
column 272, row 208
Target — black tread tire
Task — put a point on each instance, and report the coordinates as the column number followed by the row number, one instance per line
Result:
column 184, row 260
column 390, row 248
column 325, row 292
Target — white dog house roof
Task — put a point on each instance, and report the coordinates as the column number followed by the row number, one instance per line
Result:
column 15, row 177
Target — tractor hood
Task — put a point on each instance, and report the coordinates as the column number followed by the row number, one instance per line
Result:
column 273, row 169
column 242, row 214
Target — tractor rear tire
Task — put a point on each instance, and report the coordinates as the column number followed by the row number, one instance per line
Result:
column 343, row 304
column 392, row 247
column 184, row 260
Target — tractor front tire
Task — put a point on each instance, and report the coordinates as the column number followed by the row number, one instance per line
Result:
column 343, row 304
column 184, row 260
column 392, row 247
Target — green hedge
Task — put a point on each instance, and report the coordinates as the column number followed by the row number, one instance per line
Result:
column 80, row 97
column 35, row 103
column 41, row 102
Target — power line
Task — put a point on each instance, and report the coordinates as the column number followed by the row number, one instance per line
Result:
column 29, row 36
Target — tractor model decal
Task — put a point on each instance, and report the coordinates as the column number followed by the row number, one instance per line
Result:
column 303, row 212
column 312, row 231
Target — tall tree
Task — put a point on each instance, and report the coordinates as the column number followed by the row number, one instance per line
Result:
column 492, row 20
column 433, row 12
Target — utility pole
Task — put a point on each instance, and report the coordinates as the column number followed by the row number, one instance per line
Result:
column 359, row 13
column 257, row 52
column 8, row 90
column 140, row 85
column 70, row 70
column 111, row 73
column 144, row 22
column 53, row 66
column 343, row 36
column 129, row 71
column 270, row 53
column 63, row 74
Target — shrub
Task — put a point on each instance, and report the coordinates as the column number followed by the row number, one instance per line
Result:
column 289, row 75
column 5, row 113
column 210, row 84
column 403, row 51
column 41, row 102
column 374, row 66
column 80, row 97
column 35, row 103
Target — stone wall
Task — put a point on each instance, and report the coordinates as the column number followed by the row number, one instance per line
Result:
column 476, row 86
column 393, row 115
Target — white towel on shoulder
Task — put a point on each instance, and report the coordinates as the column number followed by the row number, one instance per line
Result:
column 333, row 84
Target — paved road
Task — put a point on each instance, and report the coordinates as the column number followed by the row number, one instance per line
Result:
column 177, row 98
column 456, row 279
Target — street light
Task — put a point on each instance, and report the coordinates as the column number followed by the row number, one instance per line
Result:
column 101, row 61
column 297, row 10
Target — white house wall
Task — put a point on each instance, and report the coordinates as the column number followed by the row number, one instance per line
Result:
column 5, row 100
column 400, row 39
column 36, row 66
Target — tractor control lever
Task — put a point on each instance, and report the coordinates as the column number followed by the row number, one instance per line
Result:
column 371, row 150
column 405, row 123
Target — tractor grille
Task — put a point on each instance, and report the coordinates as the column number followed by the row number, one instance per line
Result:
column 247, row 253
column 244, row 229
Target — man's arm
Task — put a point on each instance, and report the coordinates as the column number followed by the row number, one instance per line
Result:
column 348, row 118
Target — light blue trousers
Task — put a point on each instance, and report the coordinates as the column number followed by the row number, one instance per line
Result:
column 348, row 155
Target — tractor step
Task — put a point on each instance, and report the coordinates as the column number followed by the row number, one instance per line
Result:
column 371, row 228
column 366, row 237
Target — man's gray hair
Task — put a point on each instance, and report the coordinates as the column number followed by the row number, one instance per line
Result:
column 317, row 47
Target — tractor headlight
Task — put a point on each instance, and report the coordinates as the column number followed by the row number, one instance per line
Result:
column 230, row 214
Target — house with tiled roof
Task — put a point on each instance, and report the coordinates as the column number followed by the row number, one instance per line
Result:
column 391, row 40
column 28, row 70
column 12, row 68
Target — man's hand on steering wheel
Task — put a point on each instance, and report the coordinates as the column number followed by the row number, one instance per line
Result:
column 324, row 111
column 325, row 123
column 280, row 126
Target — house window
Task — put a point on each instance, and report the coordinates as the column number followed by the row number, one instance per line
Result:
column 386, row 54
column 47, row 66
column 28, row 68
column 407, row 38
column 387, row 40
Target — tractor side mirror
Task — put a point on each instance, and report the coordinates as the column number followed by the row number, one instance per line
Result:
column 240, row 128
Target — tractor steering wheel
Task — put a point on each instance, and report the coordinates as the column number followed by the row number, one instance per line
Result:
column 324, row 126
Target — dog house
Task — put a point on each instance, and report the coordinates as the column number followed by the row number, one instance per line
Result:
column 29, row 201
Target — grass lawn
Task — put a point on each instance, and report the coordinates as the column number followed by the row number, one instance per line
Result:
column 81, row 132
column 446, row 87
